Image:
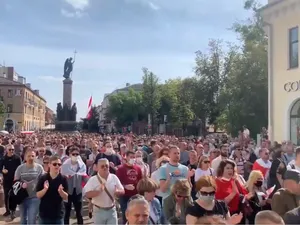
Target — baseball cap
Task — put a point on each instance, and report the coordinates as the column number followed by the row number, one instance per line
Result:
column 292, row 175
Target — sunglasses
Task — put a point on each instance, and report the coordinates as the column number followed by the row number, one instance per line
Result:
column 104, row 166
column 204, row 193
column 56, row 164
column 11, row 149
column 206, row 161
column 45, row 162
column 182, row 196
column 165, row 161
column 75, row 154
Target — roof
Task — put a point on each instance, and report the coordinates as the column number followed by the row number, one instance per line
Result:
column 136, row 87
column 5, row 82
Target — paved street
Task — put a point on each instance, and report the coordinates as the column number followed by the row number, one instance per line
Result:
column 73, row 219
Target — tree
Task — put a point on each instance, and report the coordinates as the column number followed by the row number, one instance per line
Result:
column 151, row 98
column 125, row 108
column 245, row 98
column 91, row 124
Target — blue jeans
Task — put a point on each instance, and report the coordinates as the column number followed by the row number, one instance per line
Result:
column 29, row 210
column 51, row 221
column 108, row 217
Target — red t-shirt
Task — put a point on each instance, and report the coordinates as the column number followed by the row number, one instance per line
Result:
column 129, row 175
column 224, row 188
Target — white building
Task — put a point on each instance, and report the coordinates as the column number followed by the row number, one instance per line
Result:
column 107, row 125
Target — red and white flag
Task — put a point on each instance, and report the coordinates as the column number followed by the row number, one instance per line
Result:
column 89, row 114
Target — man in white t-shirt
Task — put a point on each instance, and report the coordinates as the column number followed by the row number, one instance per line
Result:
column 102, row 188
column 295, row 164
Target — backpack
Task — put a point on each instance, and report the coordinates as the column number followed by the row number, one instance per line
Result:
column 17, row 194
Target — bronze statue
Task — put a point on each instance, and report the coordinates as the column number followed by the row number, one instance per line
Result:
column 59, row 109
column 73, row 112
column 68, row 67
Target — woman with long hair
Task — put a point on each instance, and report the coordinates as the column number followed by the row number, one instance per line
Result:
column 259, row 200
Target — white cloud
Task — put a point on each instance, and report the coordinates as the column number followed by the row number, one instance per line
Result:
column 69, row 14
column 153, row 6
column 78, row 8
column 80, row 5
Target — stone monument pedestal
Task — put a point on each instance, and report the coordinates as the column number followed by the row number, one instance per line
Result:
column 66, row 112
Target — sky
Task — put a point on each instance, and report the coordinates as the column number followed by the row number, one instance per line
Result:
column 114, row 40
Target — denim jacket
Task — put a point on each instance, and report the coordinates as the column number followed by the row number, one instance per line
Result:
column 157, row 209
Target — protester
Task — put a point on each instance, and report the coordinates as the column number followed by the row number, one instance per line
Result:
column 52, row 189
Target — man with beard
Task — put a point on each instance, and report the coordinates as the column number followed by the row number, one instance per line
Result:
column 224, row 155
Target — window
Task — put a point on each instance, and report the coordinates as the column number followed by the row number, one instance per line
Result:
column 10, row 93
column 293, row 48
column 9, row 108
column 18, row 92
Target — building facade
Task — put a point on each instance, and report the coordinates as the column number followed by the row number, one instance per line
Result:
column 107, row 125
column 49, row 117
column 24, row 107
column 282, row 21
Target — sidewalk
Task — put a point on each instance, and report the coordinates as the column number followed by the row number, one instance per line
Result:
column 72, row 220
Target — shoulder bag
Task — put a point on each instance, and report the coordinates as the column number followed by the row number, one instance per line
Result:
column 105, row 189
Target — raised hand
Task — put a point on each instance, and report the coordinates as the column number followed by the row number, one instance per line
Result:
column 60, row 188
column 46, row 185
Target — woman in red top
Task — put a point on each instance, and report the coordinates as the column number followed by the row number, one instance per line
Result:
column 229, row 189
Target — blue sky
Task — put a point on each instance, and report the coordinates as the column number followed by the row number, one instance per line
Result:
column 114, row 40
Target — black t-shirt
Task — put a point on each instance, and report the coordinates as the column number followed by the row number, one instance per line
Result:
column 52, row 205
column 111, row 158
column 196, row 210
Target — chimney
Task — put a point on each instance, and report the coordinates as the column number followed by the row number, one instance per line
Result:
column 37, row 91
column 28, row 85
column 10, row 73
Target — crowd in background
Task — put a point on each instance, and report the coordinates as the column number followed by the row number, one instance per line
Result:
column 128, row 179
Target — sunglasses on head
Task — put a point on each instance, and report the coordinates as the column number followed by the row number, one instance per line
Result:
column 204, row 193
column 56, row 164
column 104, row 166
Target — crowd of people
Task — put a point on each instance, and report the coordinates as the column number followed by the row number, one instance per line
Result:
column 128, row 179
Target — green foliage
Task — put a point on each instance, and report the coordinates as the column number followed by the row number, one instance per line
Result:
column 2, row 108
column 91, row 124
column 229, row 88
column 126, row 108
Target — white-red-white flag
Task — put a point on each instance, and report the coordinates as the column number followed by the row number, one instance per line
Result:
column 89, row 114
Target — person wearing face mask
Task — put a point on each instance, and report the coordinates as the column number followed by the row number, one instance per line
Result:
column 139, row 161
column 259, row 200
column 110, row 155
column 207, row 205
column 129, row 174
column 75, row 171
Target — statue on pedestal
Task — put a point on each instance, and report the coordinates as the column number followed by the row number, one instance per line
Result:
column 59, row 110
column 68, row 67
column 73, row 112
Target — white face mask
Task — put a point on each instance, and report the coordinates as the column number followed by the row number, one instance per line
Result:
column 139, row 159
column 109, row 151
column 131, row 161
column 74, row 158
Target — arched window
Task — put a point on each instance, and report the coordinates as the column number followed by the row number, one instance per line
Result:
column 295, row 123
